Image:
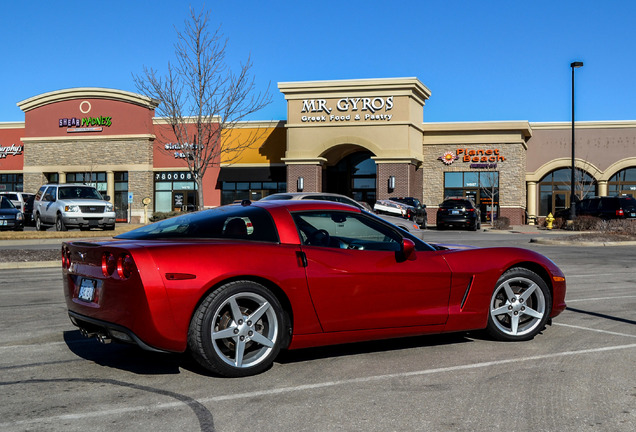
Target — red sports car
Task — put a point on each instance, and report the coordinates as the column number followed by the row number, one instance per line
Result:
column 238, row 283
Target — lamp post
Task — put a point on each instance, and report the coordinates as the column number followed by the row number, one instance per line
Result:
column 573, row 65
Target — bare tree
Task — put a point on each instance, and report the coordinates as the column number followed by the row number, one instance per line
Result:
column 489, row 185
column 202, row 99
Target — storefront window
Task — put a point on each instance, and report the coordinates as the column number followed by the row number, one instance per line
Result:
column 11, row 182
column 121, row 196
column 238, row 191
column 554, row 189
column 623, row 183
column 175, row 191
column 95, row 179
column 482, row 187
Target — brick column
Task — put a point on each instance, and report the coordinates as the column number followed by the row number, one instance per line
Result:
column 311, row 174
column 408, row 179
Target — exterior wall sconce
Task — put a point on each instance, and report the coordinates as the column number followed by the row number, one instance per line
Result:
column 391, row 183
column 300, row 184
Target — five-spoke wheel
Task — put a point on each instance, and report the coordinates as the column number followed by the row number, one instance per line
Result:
column 520, row 306
column 237, row 330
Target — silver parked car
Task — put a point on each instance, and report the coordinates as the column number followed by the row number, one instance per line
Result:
column 403, row 223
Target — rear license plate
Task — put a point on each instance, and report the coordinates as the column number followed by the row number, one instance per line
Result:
column 455, row 212
column 87, row 290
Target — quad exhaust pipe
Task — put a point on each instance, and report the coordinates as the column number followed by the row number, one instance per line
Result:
column 101, row 337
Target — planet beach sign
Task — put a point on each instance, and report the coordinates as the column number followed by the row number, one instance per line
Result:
column 348, row 109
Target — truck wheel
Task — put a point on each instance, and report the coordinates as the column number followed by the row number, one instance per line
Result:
column 38, row 223
column 59, row 224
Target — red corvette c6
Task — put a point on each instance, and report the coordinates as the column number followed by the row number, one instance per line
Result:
column 238, row 283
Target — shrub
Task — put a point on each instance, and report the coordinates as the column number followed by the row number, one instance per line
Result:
column 157, row 216
column 586, row 223
column 618, row 226
column 501, row 223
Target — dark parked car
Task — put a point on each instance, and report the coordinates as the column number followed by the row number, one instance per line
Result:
column 28, row 211
column 10, row 217
column 604, row 207
column 419, row 212
column 459, row 212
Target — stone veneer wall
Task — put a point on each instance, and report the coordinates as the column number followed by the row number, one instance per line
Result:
column 512, row 185
column 134, row 155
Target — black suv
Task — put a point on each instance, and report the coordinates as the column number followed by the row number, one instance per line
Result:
column 604, row 207
column 460, row 212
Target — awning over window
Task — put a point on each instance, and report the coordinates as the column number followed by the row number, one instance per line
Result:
column 253, row 174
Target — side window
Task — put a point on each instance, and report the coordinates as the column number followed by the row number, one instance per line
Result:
column 38, row 195
column 346, row 231
column 50, row 194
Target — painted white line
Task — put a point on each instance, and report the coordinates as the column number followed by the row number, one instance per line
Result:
column 307, row 387
column 599, row 298
column 594, row 330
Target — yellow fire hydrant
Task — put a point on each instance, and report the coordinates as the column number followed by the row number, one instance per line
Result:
column 549, row 220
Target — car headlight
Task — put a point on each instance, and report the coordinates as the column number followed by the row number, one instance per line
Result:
column 72, row 209
column 19, row 216
column 109, row 207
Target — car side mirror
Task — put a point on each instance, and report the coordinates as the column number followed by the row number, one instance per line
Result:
column 106, row 197
column 407, row 251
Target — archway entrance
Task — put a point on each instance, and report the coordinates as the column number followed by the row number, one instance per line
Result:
column 354, row 176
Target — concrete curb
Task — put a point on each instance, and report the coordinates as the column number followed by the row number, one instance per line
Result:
column 30, row 264
column 551, row 242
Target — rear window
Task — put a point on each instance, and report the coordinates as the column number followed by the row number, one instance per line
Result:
column 227, row 222
column 628, row 204
column 277, row 197
column 456, row 204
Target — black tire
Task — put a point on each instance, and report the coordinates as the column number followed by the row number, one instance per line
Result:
column 59, row 224
column 440, row 227
column 519, row 306
column 38, row 223
column 223, row 338
column 109, row 227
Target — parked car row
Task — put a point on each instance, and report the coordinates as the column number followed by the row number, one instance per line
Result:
column 603, row 207
column 60, row 205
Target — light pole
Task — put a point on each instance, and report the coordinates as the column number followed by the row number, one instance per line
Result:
column 573, row 65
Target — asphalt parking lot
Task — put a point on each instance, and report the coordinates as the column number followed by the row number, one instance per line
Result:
column 579, row 375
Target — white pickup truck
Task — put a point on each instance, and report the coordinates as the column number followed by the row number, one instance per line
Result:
column 72, row 206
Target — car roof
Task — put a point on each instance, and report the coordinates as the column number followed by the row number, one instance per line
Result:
column 304, row 205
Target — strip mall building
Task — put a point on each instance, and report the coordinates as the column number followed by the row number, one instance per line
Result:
column 362, row 138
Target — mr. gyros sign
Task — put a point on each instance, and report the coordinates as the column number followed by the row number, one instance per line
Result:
column 347, row 109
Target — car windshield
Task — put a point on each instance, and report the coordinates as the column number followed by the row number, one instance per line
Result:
column 226, row 222
column 79, row 192
column 5, row 203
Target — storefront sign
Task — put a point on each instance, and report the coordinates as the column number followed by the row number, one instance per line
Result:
column 86, row 124
column 12, row 150
column 176, row 147
column 480, row 158
column 347, row 109
column 173, row 176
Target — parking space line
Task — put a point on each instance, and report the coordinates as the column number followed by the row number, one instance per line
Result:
column 600, row 298
column 594, row 330
column 327, row 384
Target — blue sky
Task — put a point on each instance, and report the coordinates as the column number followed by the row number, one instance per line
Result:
column 482, row 60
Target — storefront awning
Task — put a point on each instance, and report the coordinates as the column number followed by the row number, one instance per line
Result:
column 253, row 174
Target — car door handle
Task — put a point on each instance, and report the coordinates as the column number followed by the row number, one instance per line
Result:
column 302, row 258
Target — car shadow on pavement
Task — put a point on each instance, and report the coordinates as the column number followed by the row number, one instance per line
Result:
column 385, row 345
column 123, row 356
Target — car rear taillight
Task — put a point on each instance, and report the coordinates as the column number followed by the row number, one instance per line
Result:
column 66, row 257
column 470, row 210
column 109, row 264
column 125, row 266
column 620, row 212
